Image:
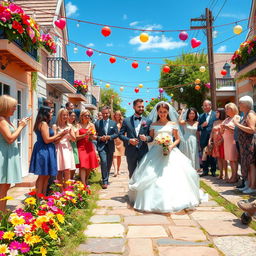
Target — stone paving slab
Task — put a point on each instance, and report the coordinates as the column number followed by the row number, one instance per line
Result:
column 140, row 247
column 146, row 220
column 105, row 230
column 185, row 223
column 212, row 216
column 122, row 211
column 211, row 208
column 101, row 245
column 105, row 218
column 187, row 251
column 169, row 241
column 146, row 231
column 180, row 217
column 236, row 245
column 187, row 233
column 112, row 203
column 210, row 203
column 225, row 227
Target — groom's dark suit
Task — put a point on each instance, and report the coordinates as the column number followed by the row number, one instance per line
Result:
column 205, row 133
column 128, row 131
column 106, row 149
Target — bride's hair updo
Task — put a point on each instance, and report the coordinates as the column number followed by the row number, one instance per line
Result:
column 163, row 105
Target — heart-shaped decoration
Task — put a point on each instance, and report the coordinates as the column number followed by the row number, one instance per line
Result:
column 89, row 52
column 61, row 23
column 112, row 59
column 195, row 43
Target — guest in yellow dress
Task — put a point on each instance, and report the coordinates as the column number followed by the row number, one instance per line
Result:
column 119, row 145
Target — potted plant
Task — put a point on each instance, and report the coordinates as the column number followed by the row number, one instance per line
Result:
column 81, row 87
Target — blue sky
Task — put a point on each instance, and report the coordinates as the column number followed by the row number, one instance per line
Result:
column 150, row 14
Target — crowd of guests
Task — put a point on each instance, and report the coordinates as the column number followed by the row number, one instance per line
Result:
column 71, row 142
column 74, row 141
column 221, row 138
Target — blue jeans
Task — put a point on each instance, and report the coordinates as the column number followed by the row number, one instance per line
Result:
column 106, row 160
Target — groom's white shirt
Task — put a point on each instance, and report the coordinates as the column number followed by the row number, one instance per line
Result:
column 137, row 125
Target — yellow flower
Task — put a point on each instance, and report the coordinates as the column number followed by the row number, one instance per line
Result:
column 30, row 200
column 70, row 193
column 73, row 201
column 37, row 239
column 50, row 215
column 6, row 198
column 68, row 182
column 9, row 235
column 29, row 239
column 43, row 251
column 60, row 218
column 4, row 249
column 59, row 185
column 53, row 234
column 17, row 221
column 40, row 220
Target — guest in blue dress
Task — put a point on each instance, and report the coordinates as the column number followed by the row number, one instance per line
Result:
column 43, row 160
column 189, row 145
column 10, row 171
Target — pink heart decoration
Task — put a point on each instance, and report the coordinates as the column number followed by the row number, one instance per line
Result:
column 61, row 23
column 195, row 43
column 89, row 52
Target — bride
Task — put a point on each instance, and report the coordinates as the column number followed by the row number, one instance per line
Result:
column 165, row 183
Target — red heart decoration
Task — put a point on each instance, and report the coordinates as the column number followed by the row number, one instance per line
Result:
column 195, row 43
column 135, row 64
column 136, row 90
column 61, row 23
column 112, row 59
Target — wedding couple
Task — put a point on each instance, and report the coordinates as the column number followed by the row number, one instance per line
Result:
column 158, row 182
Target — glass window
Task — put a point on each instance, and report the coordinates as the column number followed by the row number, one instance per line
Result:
column 4, row 89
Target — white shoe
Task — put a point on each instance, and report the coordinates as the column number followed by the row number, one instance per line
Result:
column 249, row 191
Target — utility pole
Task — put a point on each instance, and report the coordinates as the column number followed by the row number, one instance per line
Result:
column 208, row 19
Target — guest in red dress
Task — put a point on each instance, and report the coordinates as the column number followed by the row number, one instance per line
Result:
column 218, row 143
column 86, row 150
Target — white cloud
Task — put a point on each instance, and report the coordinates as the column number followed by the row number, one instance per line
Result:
column 152, row 27
column 233, row 15
column 90, row 45
column 222, row 48
column 71, row 9
column 109, row 45
column 134, row 23
column 125, row 17
column 157, row 42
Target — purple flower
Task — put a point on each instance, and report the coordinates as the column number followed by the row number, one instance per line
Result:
column 24, row 247
column 15, row 245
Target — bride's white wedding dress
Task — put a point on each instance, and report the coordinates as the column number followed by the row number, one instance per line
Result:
column 165, row 183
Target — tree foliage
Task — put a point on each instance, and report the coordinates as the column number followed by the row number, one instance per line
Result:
column 151, row 105
column 186, row 75
column 106, row 95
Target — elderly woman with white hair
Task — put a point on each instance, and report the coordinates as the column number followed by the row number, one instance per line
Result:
column 246, row 131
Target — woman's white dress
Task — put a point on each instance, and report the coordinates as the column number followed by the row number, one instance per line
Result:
column 165, row 183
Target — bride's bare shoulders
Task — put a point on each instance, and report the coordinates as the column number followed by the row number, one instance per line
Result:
column 160, row 124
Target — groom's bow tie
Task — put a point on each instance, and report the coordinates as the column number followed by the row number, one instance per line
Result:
column 137, row 118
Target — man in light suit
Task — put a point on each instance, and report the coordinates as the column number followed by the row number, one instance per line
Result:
column 135, row 135
column 205, row 124
column 107, row 131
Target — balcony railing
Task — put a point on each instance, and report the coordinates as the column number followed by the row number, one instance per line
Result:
column 225, row 82
column 31, row 51
column 249, row 61
column 94, row 101
column 58, row 67
column 91, row 99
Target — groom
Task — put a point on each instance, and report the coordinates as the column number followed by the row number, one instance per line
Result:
column 135, row 134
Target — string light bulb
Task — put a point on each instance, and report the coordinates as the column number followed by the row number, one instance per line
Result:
column 148, row 68
column 75, row 49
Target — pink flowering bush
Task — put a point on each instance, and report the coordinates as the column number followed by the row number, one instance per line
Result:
column 36, row 229
column 246, row 50
column 16, row 25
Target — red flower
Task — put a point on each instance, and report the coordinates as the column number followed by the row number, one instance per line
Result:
column 16, row 25
column 45, row 227
column 40, row 195
column 41, row 212
column 25, row 19
column 32, row 193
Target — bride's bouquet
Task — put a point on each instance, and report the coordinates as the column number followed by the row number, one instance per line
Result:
column 165, row 140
